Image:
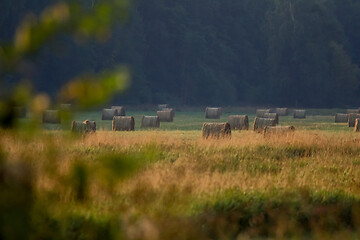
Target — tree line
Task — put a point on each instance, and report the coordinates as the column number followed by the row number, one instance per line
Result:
column 302, row 53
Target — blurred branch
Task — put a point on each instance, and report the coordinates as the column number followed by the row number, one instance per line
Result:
column 61, row 19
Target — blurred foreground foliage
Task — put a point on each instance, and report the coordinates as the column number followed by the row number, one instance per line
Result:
column 61, row 207
column 25, row 211
column 64, row 18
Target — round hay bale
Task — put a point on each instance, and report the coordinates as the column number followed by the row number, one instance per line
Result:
column 83, row 127
column 272, row 110
column 51, row 116
column 213, row 113
column 278, row 130
column 108, row 114
column 282, row 111
column 357, row 125
column 260, row 112
column 353, row 110
column 171, row 110
column 162, row 106
column 272, row 115
column 216, row 130
column 121, row 123
column 260, row 123
column 20, row 112
column 165, row 115
column 120, row 110
column 150, row 122
column 299, row 113
column 352, row 118
column 239, row 122
column 341, row 118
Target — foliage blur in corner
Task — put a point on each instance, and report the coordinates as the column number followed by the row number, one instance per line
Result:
column 34, row 32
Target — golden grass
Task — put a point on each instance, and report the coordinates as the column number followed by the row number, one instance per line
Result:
column 248, row 161
column 178, row 169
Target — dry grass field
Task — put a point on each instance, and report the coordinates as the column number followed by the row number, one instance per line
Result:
column 172, row 184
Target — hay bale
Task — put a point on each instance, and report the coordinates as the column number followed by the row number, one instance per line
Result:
column 260, row 123
column 341, row 118
column 162, row 106
column 272, row 110
column 83, row 127
column 272, row 115
column 120, row 110
column 352, row 119
column 51, row 116
column 171, row 110
column 20, row 112
column 357, row 125
column 278, row 130
column 353, row 110
column 299, row 113
column 213, row 113
column 108, row 114
column 150, row 122
column 165, row 115
column 216, row 130
column 260, row 112
column 121, row 123
column 282, row 111
column 239, row 122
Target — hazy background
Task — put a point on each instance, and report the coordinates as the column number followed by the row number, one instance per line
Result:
column 303, row 53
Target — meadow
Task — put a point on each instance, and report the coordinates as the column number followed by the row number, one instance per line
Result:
column 173, row 184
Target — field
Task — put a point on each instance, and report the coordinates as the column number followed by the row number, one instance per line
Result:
column 172, row 184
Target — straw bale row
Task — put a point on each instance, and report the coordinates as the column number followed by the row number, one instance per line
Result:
column 356, row 110
column 271, row 130
column 150, row 122
column 166, row 115
column 341, row 118
column 120, row 110
column 83, row 127
column 261, row 112
column 162, row 106
column 357, row 125
column 260, row 123
column 216, row 130
column 299, row 113
column 213, row 113
column 108, row 114
column 122, row 123
column 352, row 119
column 281, row 111
column 273, row 116
column 239, row 122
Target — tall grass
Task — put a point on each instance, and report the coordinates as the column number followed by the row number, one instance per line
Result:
column 176, row 185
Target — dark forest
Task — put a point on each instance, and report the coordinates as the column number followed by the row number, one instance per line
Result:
column 303, row 53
